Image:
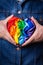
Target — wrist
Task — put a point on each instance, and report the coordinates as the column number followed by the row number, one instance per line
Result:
column 42, row 30
column 42, row 33
column 1, row 30
column 0, row 35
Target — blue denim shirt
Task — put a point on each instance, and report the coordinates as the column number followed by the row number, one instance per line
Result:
column 28, row 55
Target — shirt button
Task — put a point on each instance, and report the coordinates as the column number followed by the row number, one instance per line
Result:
column 19, row 0
column 18, row 48
column 19, row 12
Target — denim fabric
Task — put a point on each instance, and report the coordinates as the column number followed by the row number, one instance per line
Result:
column 31, row 54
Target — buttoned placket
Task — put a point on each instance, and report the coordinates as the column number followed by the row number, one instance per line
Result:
column 20, row 8
column 18, row 56
column 18, row 49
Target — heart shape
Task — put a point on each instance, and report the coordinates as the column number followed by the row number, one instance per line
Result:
column 20, row 30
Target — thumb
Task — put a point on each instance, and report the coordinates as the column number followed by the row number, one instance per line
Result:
column 6, row 20
column 34, row 20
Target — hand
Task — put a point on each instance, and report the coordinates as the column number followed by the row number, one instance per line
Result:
column 3, row 30
column 37, row 35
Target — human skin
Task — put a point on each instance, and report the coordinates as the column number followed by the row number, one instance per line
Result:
column 36, row 37
column 3, row 30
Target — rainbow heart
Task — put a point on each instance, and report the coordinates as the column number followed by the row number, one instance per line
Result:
column 20, row 30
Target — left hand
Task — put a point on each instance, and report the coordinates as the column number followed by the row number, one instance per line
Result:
column 37, row 35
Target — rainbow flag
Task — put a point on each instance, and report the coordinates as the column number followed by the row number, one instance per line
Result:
column 20, row 30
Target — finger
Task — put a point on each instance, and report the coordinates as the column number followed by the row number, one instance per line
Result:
column 9, row 38
column 35, row 21
column 6, row 20
column 30, row 40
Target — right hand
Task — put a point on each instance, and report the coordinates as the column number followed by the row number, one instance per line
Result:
column 4, row 32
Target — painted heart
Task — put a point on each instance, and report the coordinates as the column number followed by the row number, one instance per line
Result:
column 20, row 30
